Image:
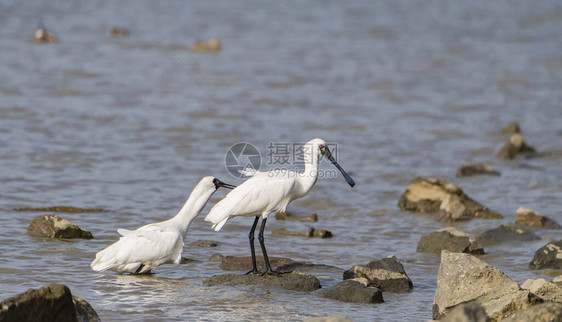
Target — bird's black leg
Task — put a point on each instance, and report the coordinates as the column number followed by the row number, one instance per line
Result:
column 254, row 269
column 266, row 259
column 139, row 269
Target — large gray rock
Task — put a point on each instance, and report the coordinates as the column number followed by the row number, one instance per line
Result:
column 527, row 217
column 548, row 256
column 52, row 302
column 476, row 169
column 427, row 195
column 244, row 263
column 542, row 288
column 505, row 233
column 53, row 226
column 291, row 216
column 293, row 281
column 354, row 292
column 513, row 147
column 449, row 239
column 546, row 312
column 386, row 274
column 469, row 312
column 463, row 278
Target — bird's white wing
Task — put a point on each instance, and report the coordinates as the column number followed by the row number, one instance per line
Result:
column 257, row 195
column 142, row 247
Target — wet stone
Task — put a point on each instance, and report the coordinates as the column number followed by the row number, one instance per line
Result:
column 293, row 281
column 513, row 147
column 505, row 233
column 294, row 217
column 312, row 232
column 542, row 312
column 449, row 239
column 548, row 256
column 476, row 169
column 527, row 217
column 469, row 312
column 52, row 226
column 60, row 209
column 427, row 195
column 204, row 243
column 511, row 128
column 387, row 274
column 354, row 292
column 244, row 263
column 542, row 288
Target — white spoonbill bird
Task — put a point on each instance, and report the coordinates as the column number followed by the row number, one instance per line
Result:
column 269, row 192
column 140, row 251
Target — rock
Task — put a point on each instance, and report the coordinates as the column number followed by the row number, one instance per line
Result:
column 452, row 209
column 42, row 35
column 475, row 169
column 293, row 281
column 542, row 288
column 204, row 243
column 312, row 232
column 449, row 239
column 235, row 263
column 216, row 258
column 60, row 209
column 293, row 217
column 539, row 313
column 212, row 45
column 463, row 278
column 506, row 233
column 353, row 292
column 514, row 147
column 386, row 274
column 53, row 302
column 53, row 226
column 548, row 256
column 527, row 217
column 469, row 312
column 511, row 128
column 427, row 195
column 557, row 280
column 185, row 260
column 335, row 318
column 117, row 32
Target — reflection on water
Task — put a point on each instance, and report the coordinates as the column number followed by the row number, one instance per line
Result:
column 119, row 124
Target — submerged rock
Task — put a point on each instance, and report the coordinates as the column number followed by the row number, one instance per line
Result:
column 463, row 278
column 548, row 256
column 312, row 232
column 204, row 243
column 60, row 209
column 506, row 233
column 354, row 292
column 53, row 226
column 527, row 217
column 334, row 318
column 293, row 217
column 387, row 274
column 427, row 195
column 244, row 263
column 513, row 147
column 53, row 302
column 543, row 312
column 293, row 281
column 476, row 169
column 449, row 239
column 542, row 288
column 469, row 312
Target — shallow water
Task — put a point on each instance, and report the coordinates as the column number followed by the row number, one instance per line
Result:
column 405, row 89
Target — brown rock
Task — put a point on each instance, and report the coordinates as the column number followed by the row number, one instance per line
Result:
column 52, row 302
column 513, row 147
column 312, row 232
column 449, row 239
column 527, row 217
column 60, row 209
column 293, row 281
column 475, row 169
column 235, row 263
column 212, row 46
column 548, row 256
column 546, row 312
column 204, row 243
column 511, row 128
column 353, row 292
column 293, row 217
column 387, row 274
column 469, row 312
column 427, row 195
column 53, row 226
column 542, row 288
column 505, row 233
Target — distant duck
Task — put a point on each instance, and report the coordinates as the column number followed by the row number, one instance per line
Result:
column 117, row 32
column 42, row 35
column 212, row 45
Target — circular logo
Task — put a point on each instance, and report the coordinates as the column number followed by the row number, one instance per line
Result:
column 242, row 156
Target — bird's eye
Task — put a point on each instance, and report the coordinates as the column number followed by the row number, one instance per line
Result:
column 322, row 147
column 215, row 181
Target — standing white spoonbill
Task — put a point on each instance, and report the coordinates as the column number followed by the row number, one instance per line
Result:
column 140, row 251
column 269, row 192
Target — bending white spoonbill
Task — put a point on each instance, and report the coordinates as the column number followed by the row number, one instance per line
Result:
column 269, row 192
column 140, row 251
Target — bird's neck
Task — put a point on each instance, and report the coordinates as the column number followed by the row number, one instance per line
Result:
column 310, row 174
column 191, row 209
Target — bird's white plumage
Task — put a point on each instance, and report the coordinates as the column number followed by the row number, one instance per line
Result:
column 154, row 244
column 268, row 192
